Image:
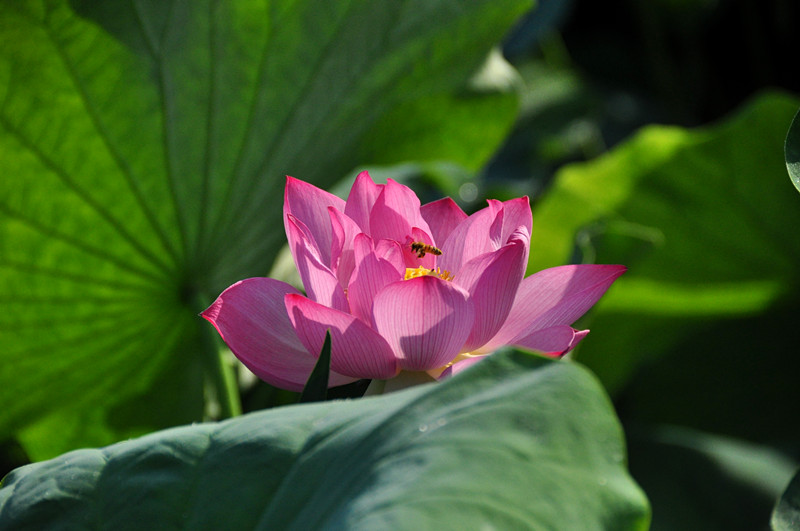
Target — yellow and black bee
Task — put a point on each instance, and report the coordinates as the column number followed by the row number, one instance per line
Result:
column 421, row 248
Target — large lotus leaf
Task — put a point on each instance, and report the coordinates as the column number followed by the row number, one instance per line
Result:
column 143, row 148
column 705, row 219
column 516, row 442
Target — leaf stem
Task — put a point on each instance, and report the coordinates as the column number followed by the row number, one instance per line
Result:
column 220, row 374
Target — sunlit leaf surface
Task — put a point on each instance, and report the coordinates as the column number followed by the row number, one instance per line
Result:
column 143, row 148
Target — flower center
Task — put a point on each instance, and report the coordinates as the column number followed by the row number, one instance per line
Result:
column 423, row 271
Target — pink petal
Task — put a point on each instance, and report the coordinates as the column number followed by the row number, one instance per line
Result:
column 442, row 217
column 362, row 198
column 509, row 217
column 356, row 349
column 310, row 205
column 251, row 318
column 371, row 274
column 492, row 280
column 467, row 240
column 320, row 283
column 395, row 212
column 516, row 213
column 555, row 296
column 424, row 319
column 496, row 230
column 342, row 259
column 390, row 251
column 554, row 341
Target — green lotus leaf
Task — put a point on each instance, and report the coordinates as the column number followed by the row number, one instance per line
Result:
column 515, row 442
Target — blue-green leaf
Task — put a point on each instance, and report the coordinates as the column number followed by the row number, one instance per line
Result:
column 516, row 442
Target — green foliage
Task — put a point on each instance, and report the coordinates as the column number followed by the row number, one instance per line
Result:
column 518, row 441
column 693, row 479
column 143, row 148
column 701, row 331
column 701, row 217
column 316, row 388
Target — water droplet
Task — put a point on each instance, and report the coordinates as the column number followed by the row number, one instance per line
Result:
column 468, row 192
column 423, row 428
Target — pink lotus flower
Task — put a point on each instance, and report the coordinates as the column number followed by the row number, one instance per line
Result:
column 402, row 287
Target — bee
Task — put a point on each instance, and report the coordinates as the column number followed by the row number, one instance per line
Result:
column 421, row 248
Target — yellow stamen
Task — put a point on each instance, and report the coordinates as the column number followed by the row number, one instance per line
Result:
column 463, row 356
column 424, row 271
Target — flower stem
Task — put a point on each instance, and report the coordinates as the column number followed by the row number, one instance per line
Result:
column 219, row 372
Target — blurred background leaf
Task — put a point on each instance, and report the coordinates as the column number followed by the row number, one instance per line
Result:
column 704, row 220
column 143, row 148
column 700, row 333
column 702, row 481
